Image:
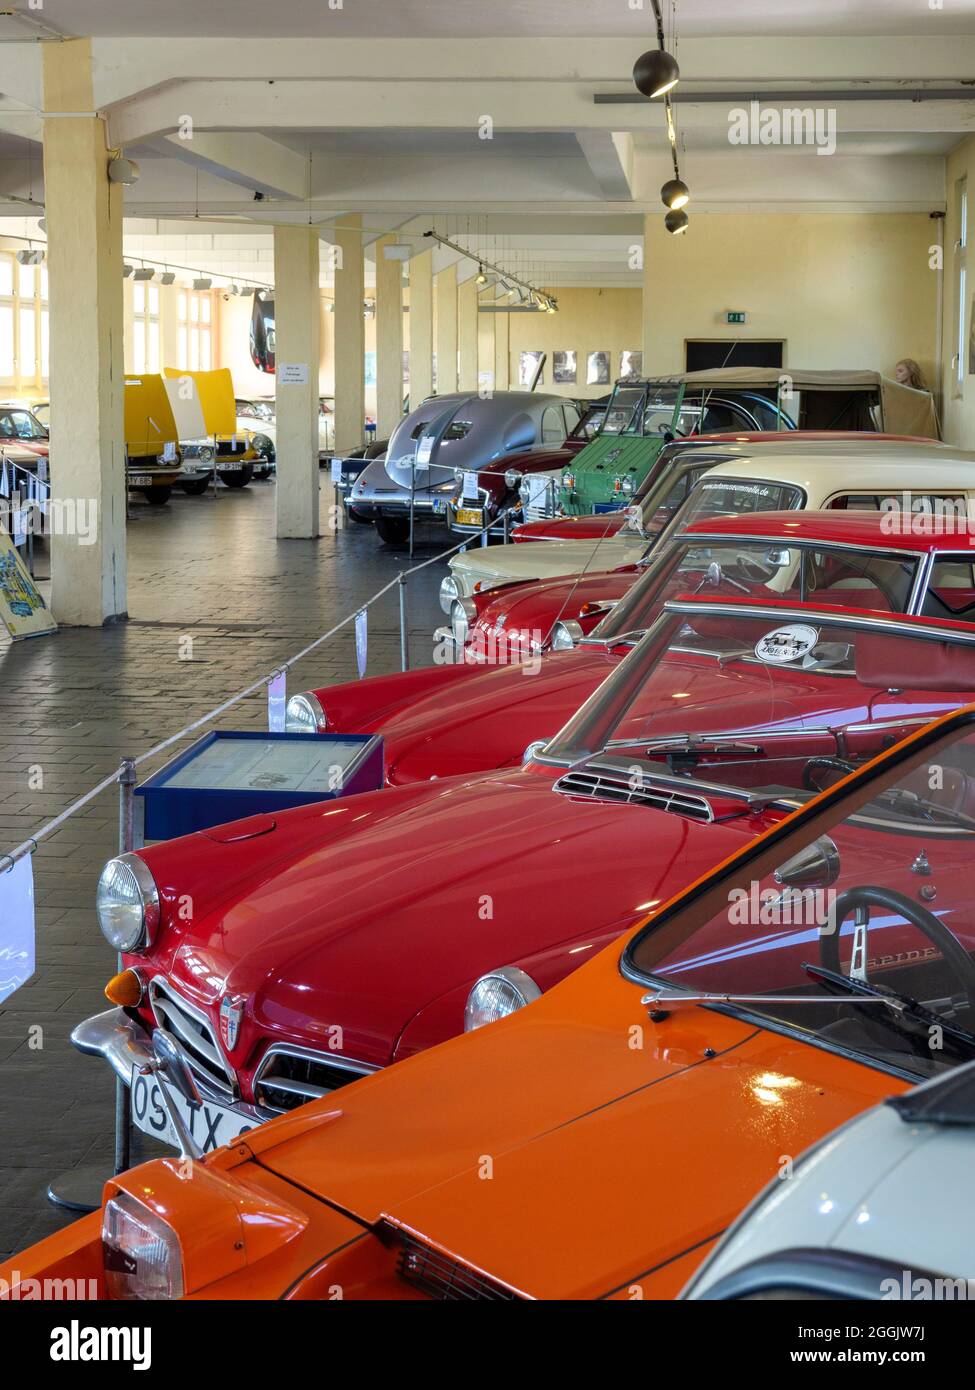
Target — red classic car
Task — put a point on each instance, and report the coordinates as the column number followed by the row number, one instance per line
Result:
column 287, row 955
column 639, row 1106
column 467, row 717
column 723, row 446
column 23, row 439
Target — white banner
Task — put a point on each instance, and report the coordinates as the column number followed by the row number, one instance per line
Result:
column 16, row 926
column 361, row 640
column 277, row 699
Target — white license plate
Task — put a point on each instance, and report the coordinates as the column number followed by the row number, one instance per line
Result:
column 228, row 465
column 439, row 506
column 141, row 480
column 210, row 1125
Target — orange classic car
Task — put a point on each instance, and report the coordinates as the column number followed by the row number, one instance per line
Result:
column 596, row 1144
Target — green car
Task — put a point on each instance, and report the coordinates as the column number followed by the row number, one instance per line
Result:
column 642, row 416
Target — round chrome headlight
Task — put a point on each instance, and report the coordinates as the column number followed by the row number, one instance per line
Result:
column 449, row 590
column 463, row 614
column 127, row 903
column 512, row 478
column 303, row 714
column 206, row 453
column 626, row 485
column 498, row 994
column 261, row 443
column 566, row 634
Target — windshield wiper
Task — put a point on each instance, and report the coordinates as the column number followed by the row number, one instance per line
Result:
column 907, row 801
column 900, row 1005
column 661, row 1002
column 690, row 744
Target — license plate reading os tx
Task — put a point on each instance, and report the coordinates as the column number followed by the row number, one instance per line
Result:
column 470, row 516
column 210, row 1125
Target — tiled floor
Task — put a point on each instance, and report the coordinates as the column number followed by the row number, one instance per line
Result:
column 73, row 704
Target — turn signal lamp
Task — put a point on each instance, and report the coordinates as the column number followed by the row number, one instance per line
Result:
column 125, row 989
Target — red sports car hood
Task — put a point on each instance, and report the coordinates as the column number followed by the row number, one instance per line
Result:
column 378, row 911
column 535, row 606
column 489, row 720
column 572, row 528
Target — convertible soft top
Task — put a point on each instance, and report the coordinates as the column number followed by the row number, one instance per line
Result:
column 903, row 410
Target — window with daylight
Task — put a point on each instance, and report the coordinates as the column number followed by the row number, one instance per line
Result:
column 24, row 325
column 194, row 344
column 145, row 318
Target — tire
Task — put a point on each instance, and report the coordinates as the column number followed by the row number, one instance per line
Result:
column 236, row 478
column 156, row 496
column 394, row 530
column 197, row 488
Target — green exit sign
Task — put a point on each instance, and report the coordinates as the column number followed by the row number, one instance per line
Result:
column 737, row 316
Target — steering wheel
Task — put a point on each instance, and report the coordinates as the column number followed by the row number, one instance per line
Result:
column 867, row 896
column 824, row 764
column 751, row 569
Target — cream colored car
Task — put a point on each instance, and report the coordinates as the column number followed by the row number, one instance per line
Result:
column 803, row 475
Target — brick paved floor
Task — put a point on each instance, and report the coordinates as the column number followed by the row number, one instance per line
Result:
column 75, row 703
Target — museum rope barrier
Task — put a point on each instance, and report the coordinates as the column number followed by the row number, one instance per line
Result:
column 80, row 1189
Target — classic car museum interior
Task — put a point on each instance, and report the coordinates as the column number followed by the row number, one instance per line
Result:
column 488, row 652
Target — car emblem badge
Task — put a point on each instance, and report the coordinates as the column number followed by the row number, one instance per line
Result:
column 231, row 1012
column 785, row 644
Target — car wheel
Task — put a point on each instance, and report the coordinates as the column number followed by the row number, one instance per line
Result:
column 156, row 496
column 394, row 530
column 236, row 479
column 197, row 488
column 358, row 517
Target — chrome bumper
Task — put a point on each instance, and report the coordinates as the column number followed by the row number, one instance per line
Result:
column 124, row 1044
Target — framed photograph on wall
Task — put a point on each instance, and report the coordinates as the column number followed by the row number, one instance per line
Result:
column 528, row 366
column 406, row 367
column 597, row 369
column 564, row 367
column 631, row 364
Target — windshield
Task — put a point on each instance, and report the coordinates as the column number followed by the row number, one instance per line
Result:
column 658, row 415
column 20, row 424
column 623, row 409
column 851, row 685
column 872, row 898
column 733, row 566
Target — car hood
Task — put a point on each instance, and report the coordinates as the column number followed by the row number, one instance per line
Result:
column 495, row 564
column 555, row 1155
column 366, row 924
column 534, row 607
column 572, row 528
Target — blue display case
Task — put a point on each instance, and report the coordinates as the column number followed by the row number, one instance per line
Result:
column 227, row 775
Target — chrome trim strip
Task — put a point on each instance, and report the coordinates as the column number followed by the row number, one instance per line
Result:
column 160, row 988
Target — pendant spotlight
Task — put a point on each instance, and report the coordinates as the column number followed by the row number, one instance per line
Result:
column 655, row 73
column 675, row 194
column 676, row 221
column 481, row 277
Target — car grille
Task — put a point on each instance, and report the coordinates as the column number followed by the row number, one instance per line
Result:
column 612, row 785
column 193, row 1031
column 288, row 1078
column 541, row 502
column 441, row 1276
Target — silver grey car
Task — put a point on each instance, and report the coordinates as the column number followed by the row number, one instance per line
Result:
column 435, row 445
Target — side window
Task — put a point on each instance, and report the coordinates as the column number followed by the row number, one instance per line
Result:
column 552, row 428
column 572, row 418
column 952, row 586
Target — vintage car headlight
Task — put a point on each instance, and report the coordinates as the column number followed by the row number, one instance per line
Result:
column 303, row 714
column 261, row 443
column 127, row 903
column 512, row 478
column 498, row 994
column 566, row 634
column 625, row 485
column 141, row 1252
column 569, row 481
column 449, row 590
column 463, row 614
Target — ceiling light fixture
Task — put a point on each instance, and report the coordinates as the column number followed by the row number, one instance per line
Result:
column 481, row 277
column 168, row 277
column 676, row 221
column 122, row 170
column 144, row 272
column 30, row 257
column 655, row 73
column 202, row 282
column 488, row 274
column 675, row 194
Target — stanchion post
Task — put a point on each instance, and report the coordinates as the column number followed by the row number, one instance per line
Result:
column 404, row 631
column 412, row 501
column 80, row 1189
